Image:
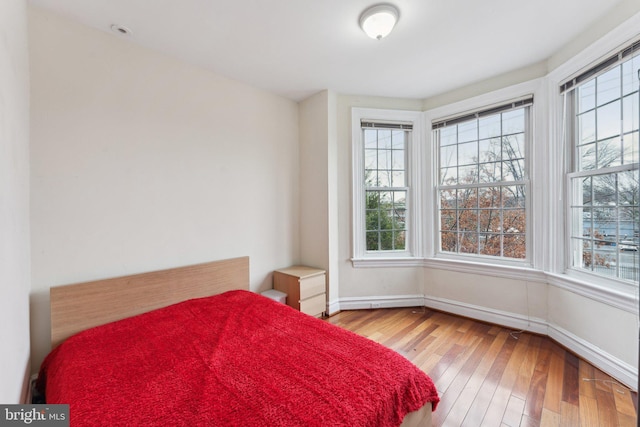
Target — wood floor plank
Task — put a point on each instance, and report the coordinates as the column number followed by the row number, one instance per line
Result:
column 555, row 377
column 586, row 388
column 454, row 390
column 513, row 414
column 588, row 410
column 485, row 395
column 607, row 415
column 487, row 377
column 497, row 409
column 550, row 418
column 571, row 387
column 463, row 403
column 569, row 414
column 535, row 397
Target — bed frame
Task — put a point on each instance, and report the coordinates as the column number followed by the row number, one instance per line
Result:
column 80, row 306
column 77, row 307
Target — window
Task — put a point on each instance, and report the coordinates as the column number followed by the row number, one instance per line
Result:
column 384, row 184
column 483, row 182
column 604, row 216
column 385, row 178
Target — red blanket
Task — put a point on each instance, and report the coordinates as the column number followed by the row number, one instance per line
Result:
column 235, row 359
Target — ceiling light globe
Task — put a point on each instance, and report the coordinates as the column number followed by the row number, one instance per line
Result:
column 378, row 21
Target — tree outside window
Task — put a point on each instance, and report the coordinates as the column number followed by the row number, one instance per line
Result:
column 483, row 185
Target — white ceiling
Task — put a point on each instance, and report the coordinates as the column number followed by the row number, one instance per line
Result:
column 297, row 47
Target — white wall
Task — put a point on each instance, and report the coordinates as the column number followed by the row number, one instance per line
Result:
column 141, row 162
column 14, row 201
column 319, row 233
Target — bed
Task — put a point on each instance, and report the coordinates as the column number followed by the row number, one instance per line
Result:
column 193, row 346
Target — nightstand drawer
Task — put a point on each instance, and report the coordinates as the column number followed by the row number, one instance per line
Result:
column 312, row 286
column 314, row 306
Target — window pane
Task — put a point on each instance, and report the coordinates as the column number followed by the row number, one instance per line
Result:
column 448, row 135
column 449, row 242
column 513, row 122
column 370, row 159
column 490, row 150
column 513, row 196
column 608, row 86
column 604, row 190
column 513, row 146
column 587, row 156
column 490, row 172
column 397, row 159
column 489, row 127
column 468, row 153
column 449, row 176
column 448, row 220
column 630, row 148
column 468, row 220
column 468, row 243
column 384, row 159
column 467, row 198
column 448, row 156
column 467, row 174
column 491, row 244
column 384, row 178
column 609, row 153
column 490, row 221
column 468, row 131
column 630, row 75
column 489, row 197
column 398, row 139
column 630, row 113
column 586, row 95
column 370, row 139
column 587, row 127
column 514, row 246
column 513, row 170
column 514, row 221
column 628, row 188
column 384, row 139
column 608, row 120
column 398, row 179
column 448, row 199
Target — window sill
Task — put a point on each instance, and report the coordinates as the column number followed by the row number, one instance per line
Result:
column 520, row 272
column 624, row 298
column 387, row 262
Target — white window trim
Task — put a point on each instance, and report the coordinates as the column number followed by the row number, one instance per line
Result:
column 601, row 288
column 412, row 256
column 502, row 96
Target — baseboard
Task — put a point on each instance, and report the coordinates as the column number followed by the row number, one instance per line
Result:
column 359, row 303
column 498, row 317
column 623, row 372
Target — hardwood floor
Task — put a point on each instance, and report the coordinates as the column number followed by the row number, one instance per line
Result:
column 488, row 375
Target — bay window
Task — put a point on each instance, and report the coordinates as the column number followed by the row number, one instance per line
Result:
column 602, row 116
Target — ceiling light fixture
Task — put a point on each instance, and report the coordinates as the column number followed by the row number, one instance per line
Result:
column 379, row 20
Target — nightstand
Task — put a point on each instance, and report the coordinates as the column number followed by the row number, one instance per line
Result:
column 306, row 288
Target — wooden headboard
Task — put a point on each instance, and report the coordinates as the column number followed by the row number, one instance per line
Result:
column 77, row 307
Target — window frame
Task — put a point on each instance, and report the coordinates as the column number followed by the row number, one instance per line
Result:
column 531, row 269
column 525, row 182
column 412, row 254
column 573, row 171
